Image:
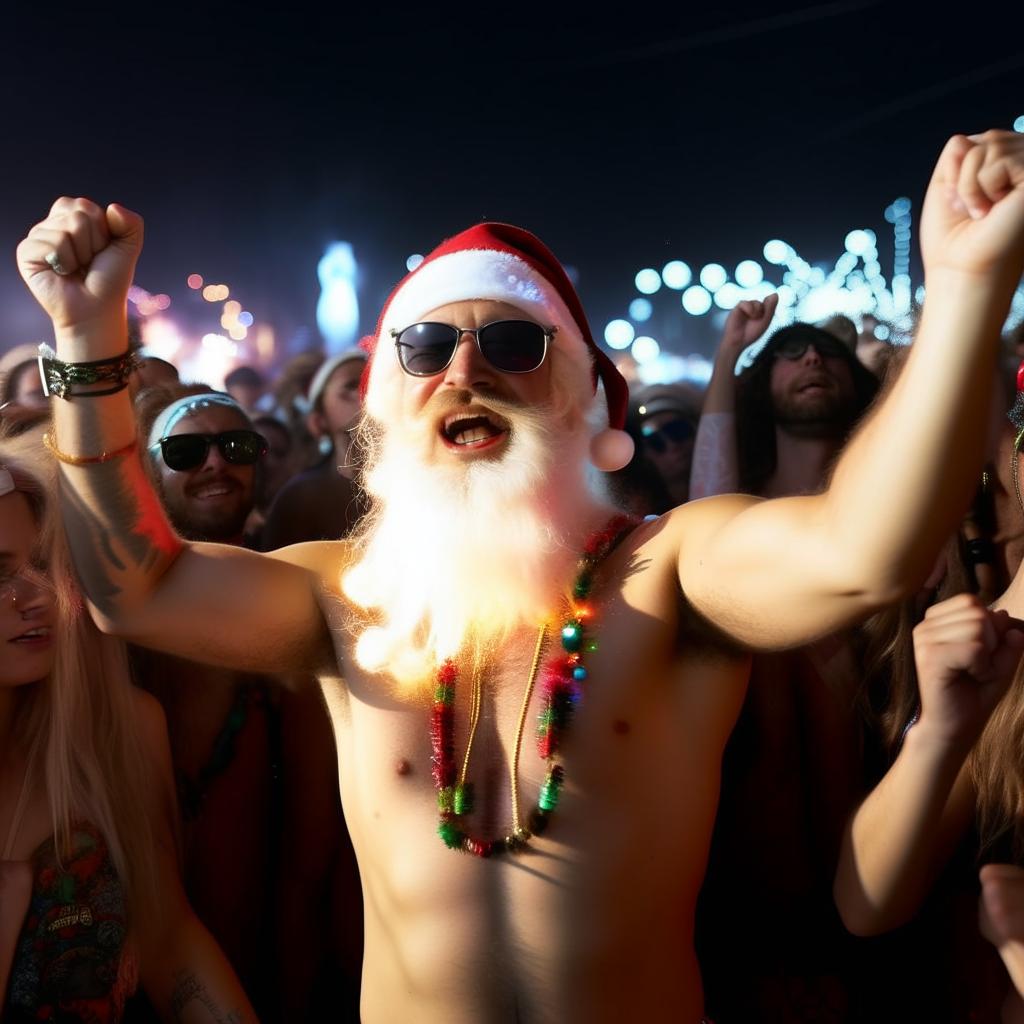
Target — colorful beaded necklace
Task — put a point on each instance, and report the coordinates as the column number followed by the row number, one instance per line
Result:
column 561, row 679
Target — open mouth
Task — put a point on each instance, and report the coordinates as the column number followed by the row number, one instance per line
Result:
column 473, row 431
column 38, row 635
column 219, row 489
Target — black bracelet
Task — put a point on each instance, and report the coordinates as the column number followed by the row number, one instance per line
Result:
column 66, row 380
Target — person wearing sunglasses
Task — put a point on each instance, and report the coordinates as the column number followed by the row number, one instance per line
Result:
column 204, row 456
column 530, row 695
column 667, row 419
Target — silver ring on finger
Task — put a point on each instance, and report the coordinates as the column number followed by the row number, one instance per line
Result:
column 55, row 264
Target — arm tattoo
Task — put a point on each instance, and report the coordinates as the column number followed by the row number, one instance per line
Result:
column 128, row 534
column 189, row 990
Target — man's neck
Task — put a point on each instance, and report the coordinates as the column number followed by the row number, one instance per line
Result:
column 800, row 465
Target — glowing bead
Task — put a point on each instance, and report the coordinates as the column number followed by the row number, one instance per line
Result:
column 450, row 835
column 444, row 694
column 579, row 673
column 591, row 646
column 462, row 799
column 445, row 799
column 572, row 636
column 548, row 800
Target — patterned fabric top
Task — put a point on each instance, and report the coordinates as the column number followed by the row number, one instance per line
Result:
column 73, row 962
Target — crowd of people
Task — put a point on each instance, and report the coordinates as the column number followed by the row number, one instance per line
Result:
column 447, row 679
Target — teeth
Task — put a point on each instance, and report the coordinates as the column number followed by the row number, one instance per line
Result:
column 471, row 435
column 38, row 631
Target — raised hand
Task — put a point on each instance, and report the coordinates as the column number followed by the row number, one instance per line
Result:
column 973, row 216
column 747, row 321
column 966, row 656
column 79, row 262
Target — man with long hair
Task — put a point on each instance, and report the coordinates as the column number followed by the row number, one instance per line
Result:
column 549, row 871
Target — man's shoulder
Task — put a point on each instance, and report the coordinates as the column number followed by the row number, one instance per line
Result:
column 699, row 520
column 325, row 559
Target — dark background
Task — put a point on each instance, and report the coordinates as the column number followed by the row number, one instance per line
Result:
column 249, row 141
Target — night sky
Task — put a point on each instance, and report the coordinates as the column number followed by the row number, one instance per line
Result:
column 250, row 141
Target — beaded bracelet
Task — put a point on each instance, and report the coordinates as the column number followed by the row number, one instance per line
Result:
column 64, row 379
column 85, row 460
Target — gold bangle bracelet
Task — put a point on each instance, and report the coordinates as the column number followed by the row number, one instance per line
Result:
column 84, row 460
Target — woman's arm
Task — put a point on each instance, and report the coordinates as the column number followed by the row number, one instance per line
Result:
column 715, row 460
column 904, row 831
column 184, row 972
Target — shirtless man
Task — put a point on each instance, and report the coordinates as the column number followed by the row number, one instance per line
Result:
column 483, row 508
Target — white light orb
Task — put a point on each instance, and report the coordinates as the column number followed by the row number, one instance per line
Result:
column 640, row 310
column 713, row 276
column 619, row 334
column 1018, row 125
column 882, row 332
column 919, row 295
column 648, row 281
column 786, row 295
column 728, row 295
column 696, row 300
column 413, row 261
column 748, row 273
column 676, row 274
column 857, row 241
column 776, row 251
column 645, row 349
column 901, row 206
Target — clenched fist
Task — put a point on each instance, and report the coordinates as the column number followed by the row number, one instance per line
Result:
column 79, row 262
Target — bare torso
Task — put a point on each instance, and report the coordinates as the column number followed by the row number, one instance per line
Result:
column 596, row 919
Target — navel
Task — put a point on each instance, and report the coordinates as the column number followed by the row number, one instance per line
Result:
column 402, row 767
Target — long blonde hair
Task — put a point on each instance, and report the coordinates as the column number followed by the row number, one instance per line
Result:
column 78, row 727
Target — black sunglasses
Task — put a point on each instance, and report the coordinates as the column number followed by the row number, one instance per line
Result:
column 675, row 431
column 511, row 346
column 826, row 347
column 183, row 452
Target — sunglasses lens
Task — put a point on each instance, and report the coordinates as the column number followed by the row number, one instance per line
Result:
column 655, row 442
column 426, row 349
column 795, row 348
column 241, row 447
column 184, row 451
column 791, row 349
column 513, row 346
column 678, row 430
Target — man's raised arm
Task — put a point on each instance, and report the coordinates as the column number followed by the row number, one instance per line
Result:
column 780, row 573
column 203, row 601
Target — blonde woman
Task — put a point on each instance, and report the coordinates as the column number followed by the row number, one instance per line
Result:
column 91, row 904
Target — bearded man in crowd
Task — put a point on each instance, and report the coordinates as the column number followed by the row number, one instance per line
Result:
column 493, row 586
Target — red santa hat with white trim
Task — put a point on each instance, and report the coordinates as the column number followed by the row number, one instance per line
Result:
column 507, row 264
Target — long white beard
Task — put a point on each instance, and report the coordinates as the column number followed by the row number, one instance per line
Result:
column 465, row 553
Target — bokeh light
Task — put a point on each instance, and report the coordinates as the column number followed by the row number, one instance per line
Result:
column 648, row 281
column 749, row 273
column 640, row 310
column 645, row 349
column 676, row 274
column 696, row 300
column 619, row 334
column 713, row 276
